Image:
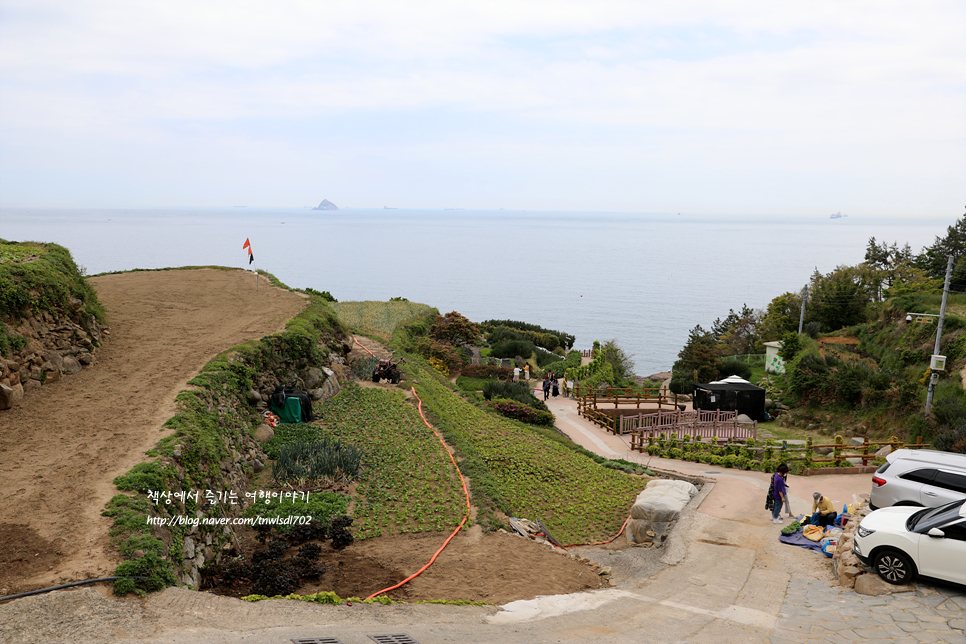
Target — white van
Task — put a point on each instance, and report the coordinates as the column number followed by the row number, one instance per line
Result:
column 923, row 477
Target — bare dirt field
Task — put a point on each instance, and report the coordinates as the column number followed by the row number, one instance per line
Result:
column 62, row 447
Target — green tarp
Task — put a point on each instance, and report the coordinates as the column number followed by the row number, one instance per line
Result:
column 291, row 412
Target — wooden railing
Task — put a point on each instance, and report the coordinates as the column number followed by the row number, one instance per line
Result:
column 698, row 423
column 784, row 452
column 589, row 398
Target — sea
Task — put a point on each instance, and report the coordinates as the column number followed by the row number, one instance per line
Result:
column 642, row 280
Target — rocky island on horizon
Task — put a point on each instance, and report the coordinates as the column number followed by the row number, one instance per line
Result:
column 326, row 205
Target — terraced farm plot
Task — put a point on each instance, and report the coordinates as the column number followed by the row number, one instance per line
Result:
column 529, row 474
column 379, row 318
column 408, row 483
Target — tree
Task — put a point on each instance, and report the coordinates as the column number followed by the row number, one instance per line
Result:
column 885, row 265
column 780, row 317
column 838, row 299
column 698, row 361
column 933, row 258
column 454, row 329
column 619, row 361
column 738, row 334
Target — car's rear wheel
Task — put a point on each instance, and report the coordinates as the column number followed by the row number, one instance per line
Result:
column 894, row 567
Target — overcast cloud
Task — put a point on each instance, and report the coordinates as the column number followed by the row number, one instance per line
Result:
column 741, row 107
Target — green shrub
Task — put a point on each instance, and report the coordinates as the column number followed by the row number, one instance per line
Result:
column 518, row 391
column 560, row 367
column 950, row 418
column 144, row 575
column 484, row 371
column 145, row 476
column 732, row 367
column 519, row 411
column 471, row 384
column 512, row 349
column 545, row 358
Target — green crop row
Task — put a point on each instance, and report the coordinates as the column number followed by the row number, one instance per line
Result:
column 528, row 472
column 379, row 318
column 407, row 483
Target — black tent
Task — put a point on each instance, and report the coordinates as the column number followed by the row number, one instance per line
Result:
column 742, row 397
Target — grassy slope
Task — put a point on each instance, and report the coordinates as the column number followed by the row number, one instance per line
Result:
column 526, row 472
column 513, row 468
column 379, row 319
column 408, row 483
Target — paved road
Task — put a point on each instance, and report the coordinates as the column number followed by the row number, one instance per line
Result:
column 723, row 578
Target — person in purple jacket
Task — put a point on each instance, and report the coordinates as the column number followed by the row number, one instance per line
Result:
column 780, row 493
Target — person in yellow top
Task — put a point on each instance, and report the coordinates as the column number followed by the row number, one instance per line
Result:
column 826, row 511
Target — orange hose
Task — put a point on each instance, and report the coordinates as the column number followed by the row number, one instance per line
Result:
column 466, row 494
column 363, row 346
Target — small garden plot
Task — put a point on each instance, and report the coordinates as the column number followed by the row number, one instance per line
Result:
column 407, row 483
column 529, row 472
column 379, row 318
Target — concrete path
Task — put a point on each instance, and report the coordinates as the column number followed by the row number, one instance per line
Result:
column 723, row 577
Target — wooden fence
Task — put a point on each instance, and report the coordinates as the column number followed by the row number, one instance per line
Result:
column 699, row 423
column 782, row 451
column 589, row 398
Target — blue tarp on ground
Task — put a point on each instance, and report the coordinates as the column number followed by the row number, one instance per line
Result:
column 798, row 539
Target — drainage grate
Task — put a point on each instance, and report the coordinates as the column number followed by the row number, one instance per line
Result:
column 318, row 640
column 398, row 638
column 712, row 472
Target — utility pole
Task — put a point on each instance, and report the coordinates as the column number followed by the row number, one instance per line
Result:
column 801, row 316
column 934, row 376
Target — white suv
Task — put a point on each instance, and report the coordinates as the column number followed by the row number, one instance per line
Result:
column 922, row 477
column 903, row 543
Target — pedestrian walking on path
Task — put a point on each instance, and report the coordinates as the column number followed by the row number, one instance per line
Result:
column 546, row 386
column 780, row 495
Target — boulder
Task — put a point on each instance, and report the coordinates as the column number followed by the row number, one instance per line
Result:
column 885, row 451
column 744, row 418
column 873, row 585
column 312, row 377
column 10, row 395
column 330, row 386
column 53, row 374
column 656, row 508
column 848, row 575
column 56, row 360
column 857, row 441
column 263, row 433
column 72, row 366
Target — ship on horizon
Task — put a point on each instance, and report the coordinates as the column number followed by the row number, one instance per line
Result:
column 837, row 215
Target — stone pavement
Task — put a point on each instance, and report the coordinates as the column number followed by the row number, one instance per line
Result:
column 816, row 613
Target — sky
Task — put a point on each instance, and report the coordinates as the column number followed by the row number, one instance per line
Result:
column 603, row 105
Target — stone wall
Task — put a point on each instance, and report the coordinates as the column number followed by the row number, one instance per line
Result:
column 57, row 346
column 191, row 547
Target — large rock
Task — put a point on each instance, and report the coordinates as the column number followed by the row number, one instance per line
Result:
column 656, row 508
column 329, row 388
column 10, row 395
column 72, row 366
column 873, row 585
column 312, row 377
column 885, row 451
column 263, row 433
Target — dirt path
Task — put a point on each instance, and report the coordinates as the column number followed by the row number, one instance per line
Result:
column 62, row 447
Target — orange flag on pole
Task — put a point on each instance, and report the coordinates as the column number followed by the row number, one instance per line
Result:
column 248, row 245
